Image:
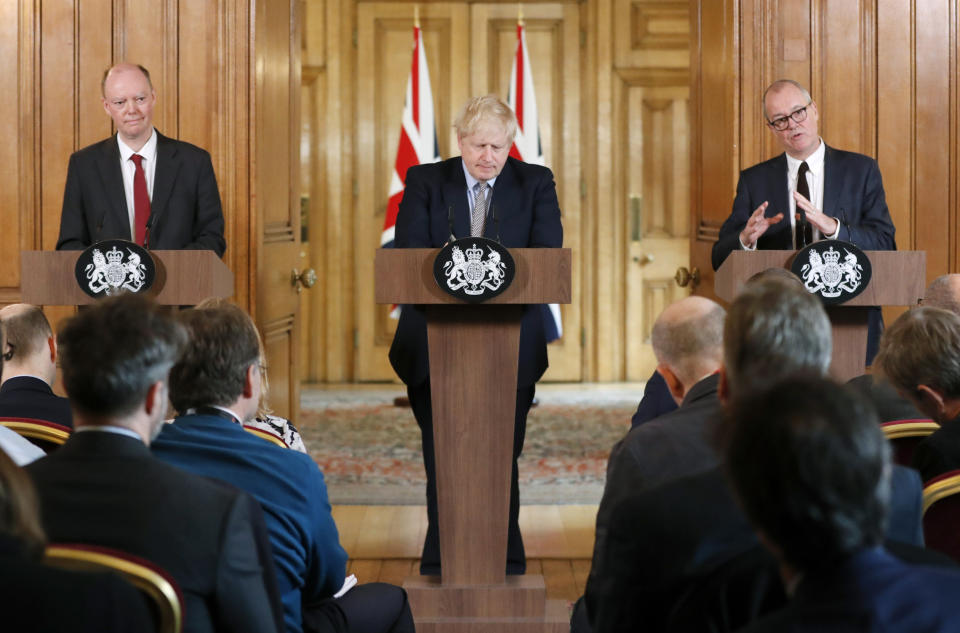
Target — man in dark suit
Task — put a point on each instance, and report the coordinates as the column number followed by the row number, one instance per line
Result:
column 812, row 475
column 919, row 356
column 103, row 487
column 661, row 538
column 140, row 185
column 216, row 385
column 30, row 368
column 483, row 192
column 839, row 197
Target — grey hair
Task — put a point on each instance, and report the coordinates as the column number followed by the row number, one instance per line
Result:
column 779, row 85
column 944, row 292
column 922, row 347
column 686, row 344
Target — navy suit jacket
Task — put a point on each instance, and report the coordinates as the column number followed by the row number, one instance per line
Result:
column 852, row 193
column 30, row 397
column 310, row 562
column 185, row 206
column 524, row 201
column 870, row 592
column 103, row 488
column 939, row 452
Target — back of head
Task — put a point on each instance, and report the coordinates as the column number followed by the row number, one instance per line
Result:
column 688, row 337
column 485, row 110
column 223, row 343
column 112, row 352
column 944, row 292
column 19, row 511
column 922, row 347
column 27, row 331
column 774, row 328
column 810, row 466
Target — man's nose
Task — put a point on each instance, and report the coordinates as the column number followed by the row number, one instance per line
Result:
column 487, row 153
column 129, row 106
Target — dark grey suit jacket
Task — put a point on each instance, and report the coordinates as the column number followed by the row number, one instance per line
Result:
column 102, row 488
column 185, row 207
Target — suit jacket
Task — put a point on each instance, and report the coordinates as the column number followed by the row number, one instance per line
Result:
column 871, row 592
column 29, row 397
column 656, row 401
column 524, row 199
column 310, row 563
column 889, row 404
column 939, row 452
column 37, row 598
column 185, row 206
column 852, row 193
column 104, row 488
column 660, row 540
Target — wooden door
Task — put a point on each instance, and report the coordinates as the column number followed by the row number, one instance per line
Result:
column 470, row 50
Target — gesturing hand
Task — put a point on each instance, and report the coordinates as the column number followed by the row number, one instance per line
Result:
column 757, row 225
column 824, row 223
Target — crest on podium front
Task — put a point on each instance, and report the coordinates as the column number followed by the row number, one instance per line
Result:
column 474, row 269
column 833, row 270
column 114, row 266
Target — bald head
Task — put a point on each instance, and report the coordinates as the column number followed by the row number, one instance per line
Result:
column 30, row 348
column 944, row 293
column 688, row 339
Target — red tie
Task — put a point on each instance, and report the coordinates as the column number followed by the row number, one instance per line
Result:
column 141, row 202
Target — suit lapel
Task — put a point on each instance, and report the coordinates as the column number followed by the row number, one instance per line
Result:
column 504, row 197
column 455, row 196
column 108, row 166
column 168, row 166
column 831, row 188
column 781, row 203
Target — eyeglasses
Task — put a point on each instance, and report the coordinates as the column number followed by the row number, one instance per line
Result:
column 783, row 122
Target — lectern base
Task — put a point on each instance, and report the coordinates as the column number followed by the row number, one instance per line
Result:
column 518, row 605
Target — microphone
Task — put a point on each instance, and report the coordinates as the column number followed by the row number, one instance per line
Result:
column 453, row 238
column 843, row 222
column 496, row 222
column 146, row 235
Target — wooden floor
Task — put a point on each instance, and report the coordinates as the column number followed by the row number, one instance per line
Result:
column 384, row 543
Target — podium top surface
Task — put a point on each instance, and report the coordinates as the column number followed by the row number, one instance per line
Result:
column 405, row 275
column 899, row 277
column 183, row 278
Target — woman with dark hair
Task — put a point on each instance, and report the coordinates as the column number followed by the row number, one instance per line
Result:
column 34, row 597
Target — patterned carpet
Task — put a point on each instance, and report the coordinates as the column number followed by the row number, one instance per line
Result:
column 369, row 450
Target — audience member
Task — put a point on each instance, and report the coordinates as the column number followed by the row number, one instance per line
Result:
column 30, row 368
column 104, row 488
column 656, row 401
column 216, row 386
column 920, row 356
column 18, row 448
column 661, row 539
column 37, row 598
column 813, row 476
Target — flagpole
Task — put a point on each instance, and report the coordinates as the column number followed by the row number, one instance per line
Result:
column 416, row 15
column 520, row 13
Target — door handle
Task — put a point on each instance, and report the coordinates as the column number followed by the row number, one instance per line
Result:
column 686, row 277
column 305, row 279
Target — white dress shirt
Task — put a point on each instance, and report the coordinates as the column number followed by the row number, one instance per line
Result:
column 128, row 168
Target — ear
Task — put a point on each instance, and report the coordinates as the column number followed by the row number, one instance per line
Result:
column 930, row 401
column 251, row 377
column 156, row 398
column 723, row 387
column 676, row 387
column 106, row 107
column 52, row 344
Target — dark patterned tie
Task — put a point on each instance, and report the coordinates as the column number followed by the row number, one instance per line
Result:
column 479, row 209
column 804, row 230
column 141, row 202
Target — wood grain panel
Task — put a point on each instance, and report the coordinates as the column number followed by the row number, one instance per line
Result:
column 146, row 32
column 94, row 56
column 15, row 185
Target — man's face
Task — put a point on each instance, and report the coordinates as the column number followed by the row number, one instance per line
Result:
column 128, row 99
column 485, row 151
column 798, row 139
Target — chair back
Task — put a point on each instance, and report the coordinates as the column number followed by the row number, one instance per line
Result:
column 904, row 435
column 266, row 435
column 941, row 514
column 46, row 435
column 158, row 586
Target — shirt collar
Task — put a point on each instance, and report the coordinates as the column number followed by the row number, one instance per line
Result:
column 148, row 151
column 471, row 181
column 814, row 161
column 110, row 428
column 227, row 413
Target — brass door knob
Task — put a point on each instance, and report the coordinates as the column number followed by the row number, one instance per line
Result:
column 304, row 279
column 646, row 258
column 686, row 277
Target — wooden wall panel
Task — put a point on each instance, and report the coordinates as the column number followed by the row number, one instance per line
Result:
column 16, row 191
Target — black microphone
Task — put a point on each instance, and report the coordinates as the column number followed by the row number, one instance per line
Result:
column 496, row 222
column 146, row 235
column 843, row 222
column 453, row 238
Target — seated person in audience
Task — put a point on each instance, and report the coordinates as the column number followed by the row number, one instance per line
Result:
column 943, row 292
column 17, row 447
column 35, row 597
column 656, row 401
column 658, row 540
column 103, row 487
column 813, row 476
column 920, row 356
column 30, row 368
column 216, row 387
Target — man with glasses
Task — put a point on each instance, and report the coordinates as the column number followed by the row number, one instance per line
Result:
column 808, row 193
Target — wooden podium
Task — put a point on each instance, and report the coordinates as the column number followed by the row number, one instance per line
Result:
column 899, row 279
column 183, row 278
column 473, row 380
